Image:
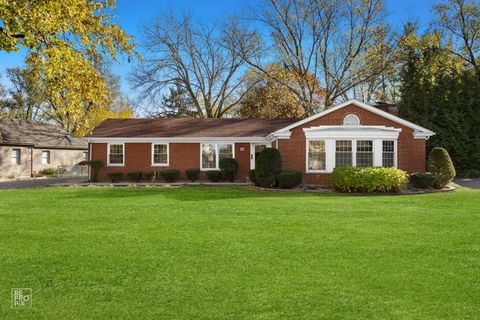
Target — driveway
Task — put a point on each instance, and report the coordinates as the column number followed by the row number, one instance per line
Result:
column 32, row 183
column 469, row 183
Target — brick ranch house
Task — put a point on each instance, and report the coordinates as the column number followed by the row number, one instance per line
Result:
column 350, row 134
column 28, row 147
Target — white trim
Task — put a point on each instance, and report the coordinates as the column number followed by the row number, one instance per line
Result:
column 252, row 152
column 352, row 132
column 153, row 164
column 426, row 133
column 178, row 140
column 217, row 160
column 108, row 155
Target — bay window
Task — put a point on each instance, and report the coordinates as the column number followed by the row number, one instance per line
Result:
column 316, row 155
column 212, row 153
column 388, row 153
column 364, row 153
column 343, row 153
column 115, row 154
column 160, row 154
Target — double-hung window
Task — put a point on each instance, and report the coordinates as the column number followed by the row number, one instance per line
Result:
column 316, row 155
column 45, row 157
column 343, row 153
column 212, row 153
column 115, row 154
column 388, row 153
column 16, row 156
column 160, row 154
column 364, row 153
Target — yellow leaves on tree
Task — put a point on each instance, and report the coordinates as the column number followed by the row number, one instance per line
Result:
column 65, row 39
column 271, row 94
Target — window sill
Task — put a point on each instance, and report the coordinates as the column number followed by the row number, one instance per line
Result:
column 160, row 165
column 115, row 165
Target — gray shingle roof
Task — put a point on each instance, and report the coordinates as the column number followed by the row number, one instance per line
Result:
column 39, row 135
column 187, row 127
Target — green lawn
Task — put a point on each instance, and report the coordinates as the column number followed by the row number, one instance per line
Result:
column 233, row 253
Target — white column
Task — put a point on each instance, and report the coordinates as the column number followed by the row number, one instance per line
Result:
column 377, row 152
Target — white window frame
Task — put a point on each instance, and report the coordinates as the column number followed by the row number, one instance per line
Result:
column 108, row 155
column 48, row 159
column 85, row 155
column 217, row 159
column 168, row 155
column 307, row 170
column 18, row 160
column 395, row 152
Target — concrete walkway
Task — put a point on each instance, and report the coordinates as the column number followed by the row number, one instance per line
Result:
column 469, row 183
column 32, row 183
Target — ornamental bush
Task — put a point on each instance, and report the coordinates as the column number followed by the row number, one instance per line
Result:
column 214, row 175
column 48, row 171
column 149, row 176
column 422, row 180
column 267, row 167
column 228, row 167
column 192, row 174
column 350, row 179
column 441, row 167
column 170, row 175
column 95, row 166
column 251, row 175
column 134, row 176
column 289, row 179
column 115, row 176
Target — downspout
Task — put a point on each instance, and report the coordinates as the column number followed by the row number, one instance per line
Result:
column 31, row 162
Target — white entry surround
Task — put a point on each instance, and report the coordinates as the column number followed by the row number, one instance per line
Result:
column 353, row 131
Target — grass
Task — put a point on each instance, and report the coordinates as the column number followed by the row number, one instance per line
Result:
column 233, row 253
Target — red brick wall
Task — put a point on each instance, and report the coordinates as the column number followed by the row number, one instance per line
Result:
column 411, row 152
column 182, row 156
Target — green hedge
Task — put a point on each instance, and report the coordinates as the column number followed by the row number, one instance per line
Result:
column 170, row 175
column 214, row 175
column 267, row 167
column 289, row 179
column 349, row 179
column 192, row 174
column 422, row 180
column 95, row 166
column 441, row 167
column 115, row 176
column 149, row 176
column 134, row 176
column 228, row 167
column 251, row 175
column 48, row 171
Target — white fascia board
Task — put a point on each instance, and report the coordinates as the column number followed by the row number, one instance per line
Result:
column 176, row 139
column 352, row 132
column 279, row 135
column 364, row 106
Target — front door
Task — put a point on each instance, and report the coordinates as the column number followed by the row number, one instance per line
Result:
column 255, row 149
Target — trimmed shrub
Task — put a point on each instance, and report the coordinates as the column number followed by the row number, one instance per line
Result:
column 441, row 167
column 422, row 180
column 149, row 176
column 48, row 171
column 95, row 166
column 228, row 167
column 267, row 167
column 115, row 176
column 214, row 175
column 251, row 175
column 192, row 174
column 349, row 179
column 134, row 176
column 289, row 179
column 170, row 175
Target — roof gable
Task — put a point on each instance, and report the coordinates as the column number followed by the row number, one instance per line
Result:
column 420, row 130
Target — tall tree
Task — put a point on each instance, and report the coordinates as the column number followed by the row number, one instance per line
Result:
column 61, row 38
column 328, row 39
column 271, row 99
column 176, row 104
column 438, row 92
column 200, row 58
column 460, row 19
